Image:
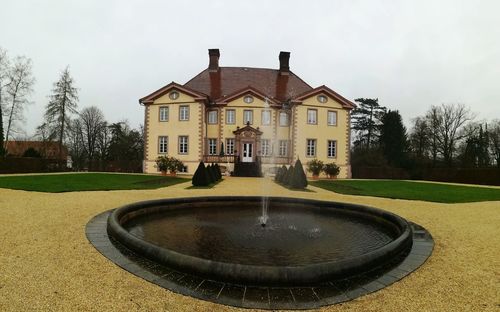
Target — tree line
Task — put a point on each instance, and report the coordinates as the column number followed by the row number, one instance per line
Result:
column 447, row 135
column 93, row 143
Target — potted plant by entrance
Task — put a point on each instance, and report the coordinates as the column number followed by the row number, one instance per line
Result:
column 315, row 166
column 162, row 164
column 174, row 165
column 166, row 163
column 331, row 170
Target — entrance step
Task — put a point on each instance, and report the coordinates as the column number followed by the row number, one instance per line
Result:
column 247, row 169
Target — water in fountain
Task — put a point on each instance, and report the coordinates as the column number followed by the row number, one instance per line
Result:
column 265, row 200
column 265, row 206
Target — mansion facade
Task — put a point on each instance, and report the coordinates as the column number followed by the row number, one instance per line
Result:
column 240, row 115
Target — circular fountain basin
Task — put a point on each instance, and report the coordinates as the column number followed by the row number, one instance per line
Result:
column 303, row 241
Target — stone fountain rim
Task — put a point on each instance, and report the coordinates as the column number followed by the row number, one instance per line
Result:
column 255, row 274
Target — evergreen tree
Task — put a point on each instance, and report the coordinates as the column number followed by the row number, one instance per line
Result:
column 63, row 102
column 366, row 120
column 393, row 139
column 200, row 177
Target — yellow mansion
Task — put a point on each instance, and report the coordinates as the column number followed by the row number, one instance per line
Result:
column 242, row 116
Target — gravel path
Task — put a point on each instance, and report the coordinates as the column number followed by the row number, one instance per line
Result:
column 47, row 264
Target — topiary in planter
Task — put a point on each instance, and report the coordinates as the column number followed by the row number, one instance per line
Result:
column 331, row 170
column 200, row 177
column 299, row 180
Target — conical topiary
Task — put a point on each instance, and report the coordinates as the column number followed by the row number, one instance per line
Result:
column 284, row 170
column 288, row 176
column 299, row 179
column 200, row 177
column 210, row 174
column 277, row 174
column 214, row 172
column 217, row 170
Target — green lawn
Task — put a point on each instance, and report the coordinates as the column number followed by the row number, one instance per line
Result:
column 55, row 183
column 434, row 192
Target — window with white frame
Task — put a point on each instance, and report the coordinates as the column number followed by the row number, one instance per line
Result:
column 163, row 113
column 311, row 148
column 212, row 117
column 183, row 144
column 184, row 112
column 212, row 146
column 332, row 149
column 284, row 121
column 230, row 116
column 312, row 116
column 283, row 148
column 332, row 118
column 266, row 117
column 230, row 146
column 265, row 147
column 248, row 116
column 184, row 169
column 163, row 144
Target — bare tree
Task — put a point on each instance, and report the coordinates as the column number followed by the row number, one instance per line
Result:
column 76, row 144
column 4, row 67
column 63, row 102
column 18, row 88
column 420, row 138
column 494, row 133
column 103, row 142
column 452, row 118
column 92, row 120
column 434, row 120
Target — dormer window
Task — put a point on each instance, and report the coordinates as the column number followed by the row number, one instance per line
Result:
column 248, row 99
column 322, row 99
column 174, row 95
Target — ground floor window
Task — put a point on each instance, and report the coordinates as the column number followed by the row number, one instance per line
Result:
column 283, row 148
column 184, row 169
column 230, row 146
column 212, row 146
column 183, row 144
column 163, row 144
column 265, row 147
column 311, row 148
column 332, row 148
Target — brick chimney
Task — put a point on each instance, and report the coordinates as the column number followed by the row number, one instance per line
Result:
column 284, row 63
column 213, row 64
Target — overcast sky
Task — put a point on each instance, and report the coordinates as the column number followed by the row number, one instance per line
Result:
column 409, row 54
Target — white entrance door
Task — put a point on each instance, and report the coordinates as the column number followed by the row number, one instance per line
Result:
column 247, row 152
